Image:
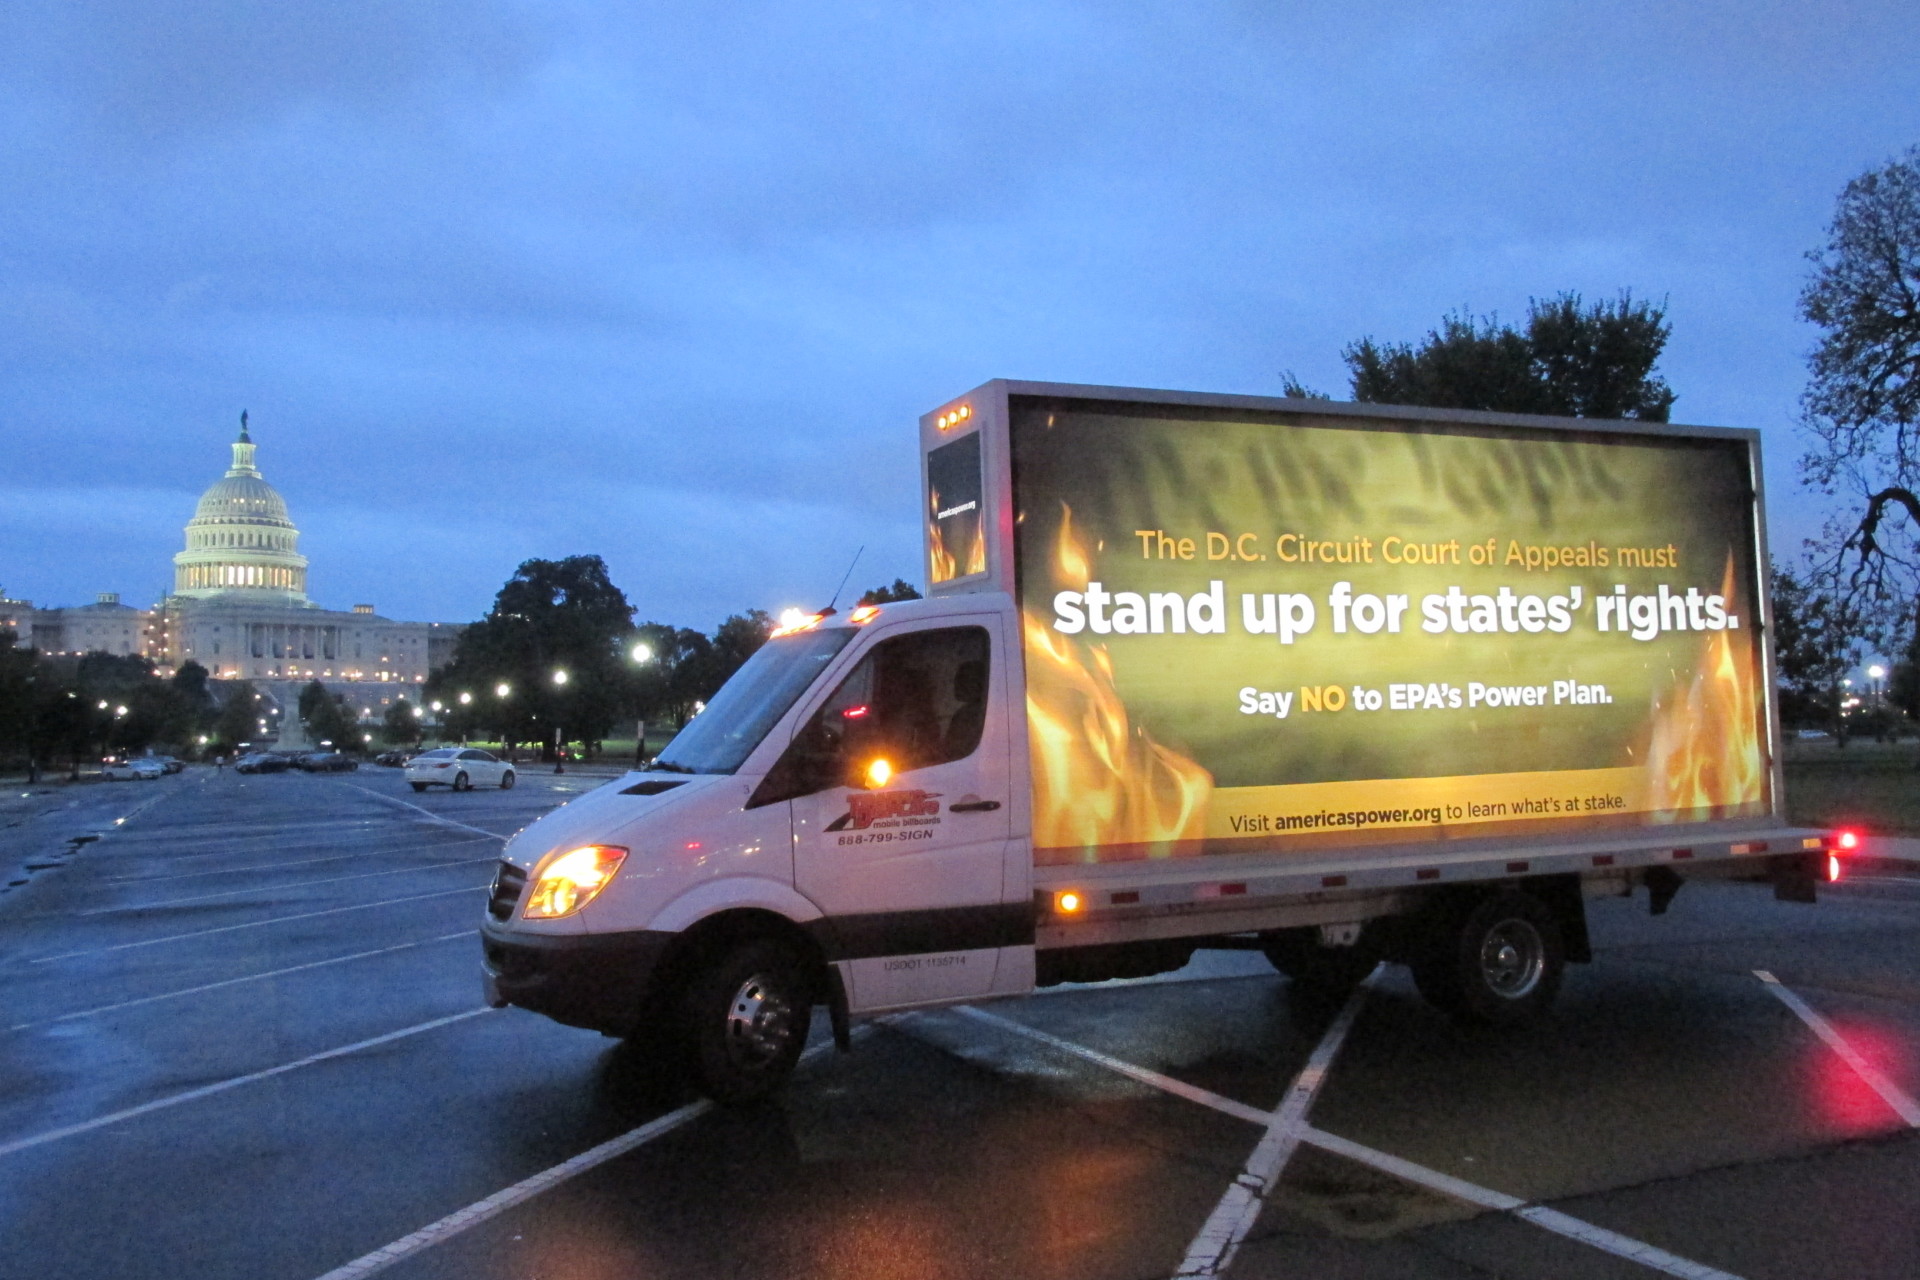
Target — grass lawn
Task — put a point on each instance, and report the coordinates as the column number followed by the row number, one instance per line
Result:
column 1870, row 784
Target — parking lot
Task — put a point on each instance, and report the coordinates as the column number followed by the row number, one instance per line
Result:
column 241, row 1037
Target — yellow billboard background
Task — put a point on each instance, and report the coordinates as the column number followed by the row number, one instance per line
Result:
column 1142, row 742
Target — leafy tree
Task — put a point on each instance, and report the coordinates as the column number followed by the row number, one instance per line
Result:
column 1814, row 648
column 1861, row 407
column 238, row 720
column 1574, row 360
column 328, row 718
column 400, row 725
column 552, row 616
column 901, row 589
column 1903, row 682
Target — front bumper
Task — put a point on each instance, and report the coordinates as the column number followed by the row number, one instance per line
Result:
column 599, row 981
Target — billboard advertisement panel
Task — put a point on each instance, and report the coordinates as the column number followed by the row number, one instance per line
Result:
column 1286, row 631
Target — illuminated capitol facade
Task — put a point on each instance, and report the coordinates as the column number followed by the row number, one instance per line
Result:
column 239, row 608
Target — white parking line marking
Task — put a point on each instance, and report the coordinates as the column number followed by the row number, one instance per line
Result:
column 206, row 1090
column 428, row 814
column 527, row 1188
column 376, row 851
column 1446, row 1184
column 1553, row 1220
column 1179, row 1088
column 277, row 888
column 1895, row 1097
column 253, row 924
column 520, row 1192
column 229, row 982
column 1214, row 1247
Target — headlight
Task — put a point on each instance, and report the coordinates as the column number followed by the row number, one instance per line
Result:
column 572, row 880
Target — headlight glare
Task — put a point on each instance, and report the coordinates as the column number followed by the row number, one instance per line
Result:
column 572, row 880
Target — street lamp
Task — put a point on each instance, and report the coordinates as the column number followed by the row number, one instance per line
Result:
column 500, row 690
column 466, row 699
column 559, row 677
column 643, row 652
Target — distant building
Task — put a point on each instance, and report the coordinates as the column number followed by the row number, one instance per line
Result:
column 239, row 608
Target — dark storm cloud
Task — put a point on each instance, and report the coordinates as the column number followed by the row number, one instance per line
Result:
column 671, row 282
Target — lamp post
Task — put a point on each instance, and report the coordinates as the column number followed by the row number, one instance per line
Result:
column 559, row 732
column 642, row 654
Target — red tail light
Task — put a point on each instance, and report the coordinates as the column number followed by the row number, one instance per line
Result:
column 1848, row 839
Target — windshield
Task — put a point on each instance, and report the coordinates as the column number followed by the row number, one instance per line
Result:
column 719, row 738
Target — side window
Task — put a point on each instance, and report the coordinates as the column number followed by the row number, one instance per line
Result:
column 915, row 701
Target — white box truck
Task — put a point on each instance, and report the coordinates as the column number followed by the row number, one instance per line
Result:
column 1340, row 682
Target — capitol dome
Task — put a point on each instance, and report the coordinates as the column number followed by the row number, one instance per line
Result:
column 240, row 541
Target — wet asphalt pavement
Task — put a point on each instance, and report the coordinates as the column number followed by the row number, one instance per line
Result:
column 241, row 1036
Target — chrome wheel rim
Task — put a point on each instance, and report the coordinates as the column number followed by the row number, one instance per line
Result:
column 759, row 1022
column 1512, row 959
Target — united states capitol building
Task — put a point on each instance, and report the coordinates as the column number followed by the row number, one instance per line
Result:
column 239, row 608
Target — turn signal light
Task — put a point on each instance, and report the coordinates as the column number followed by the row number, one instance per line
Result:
column 1067, row 902
column 572, row 880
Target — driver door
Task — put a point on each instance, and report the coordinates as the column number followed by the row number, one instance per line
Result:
column 900, row 808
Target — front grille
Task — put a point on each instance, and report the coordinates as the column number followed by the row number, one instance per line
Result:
column 508, row 882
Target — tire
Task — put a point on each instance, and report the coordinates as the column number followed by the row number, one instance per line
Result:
column 507, row 780
column 1321, row 972
column 461, row 782
column 745, row 1019
column 1497, row 964
column 418, row 786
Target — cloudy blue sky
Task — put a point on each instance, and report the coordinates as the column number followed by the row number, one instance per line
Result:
column 670, row 283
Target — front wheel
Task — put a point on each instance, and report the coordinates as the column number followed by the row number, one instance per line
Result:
column 506, row 780
column 747, row 1017
column 461, row 782
column 1499, row 964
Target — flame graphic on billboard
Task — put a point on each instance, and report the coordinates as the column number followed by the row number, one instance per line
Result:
column 1098, row 779
column 1704, row 756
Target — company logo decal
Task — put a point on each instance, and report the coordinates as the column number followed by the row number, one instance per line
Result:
column 887, row 809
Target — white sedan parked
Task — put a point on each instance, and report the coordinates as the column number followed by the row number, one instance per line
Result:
column 142, row 767
column 460, row 768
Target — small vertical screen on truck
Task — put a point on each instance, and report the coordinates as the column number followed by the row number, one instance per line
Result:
column 956, row 539
column 1266, row 629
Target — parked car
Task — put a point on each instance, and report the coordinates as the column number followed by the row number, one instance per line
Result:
column 395, row 758
column 170, row 763
column 122, row 770
column 460, row 768
column 327, row 762
column 262, row 762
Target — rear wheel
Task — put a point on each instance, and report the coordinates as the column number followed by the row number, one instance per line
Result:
column 418, row 786
column 461, row 782
column 506, row 780
column 746, row 1019
column 1498, row 963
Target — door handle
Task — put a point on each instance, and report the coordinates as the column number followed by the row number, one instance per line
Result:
column 974, row 806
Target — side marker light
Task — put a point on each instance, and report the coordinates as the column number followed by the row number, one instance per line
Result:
column 1067, row 902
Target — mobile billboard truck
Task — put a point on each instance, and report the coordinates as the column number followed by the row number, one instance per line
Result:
column 1339, row 682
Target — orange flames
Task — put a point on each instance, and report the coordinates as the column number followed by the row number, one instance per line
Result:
column 1099, row 780
column 1704, row 756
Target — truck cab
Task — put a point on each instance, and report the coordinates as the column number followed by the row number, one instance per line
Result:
column 842, row 825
